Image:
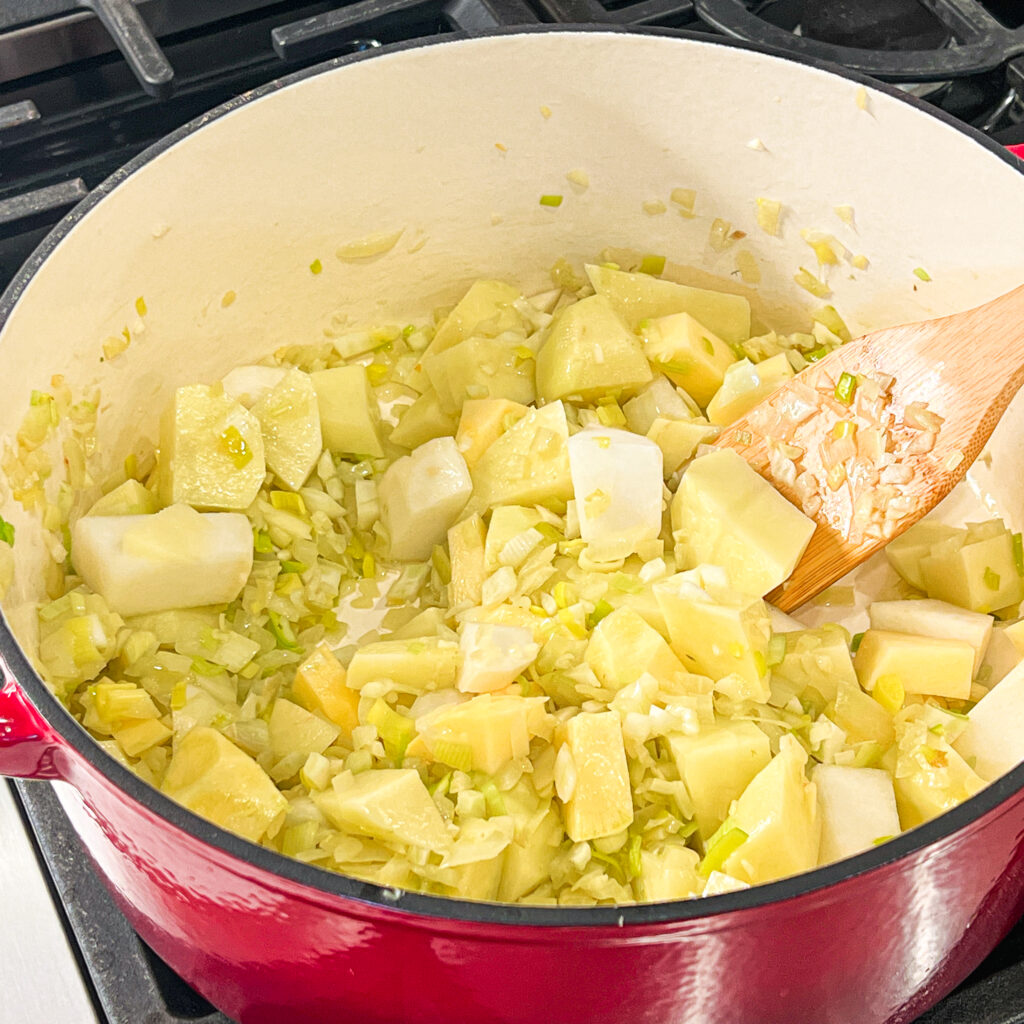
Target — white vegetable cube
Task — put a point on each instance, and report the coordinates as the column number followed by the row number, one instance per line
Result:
column 857, row 807
column 421, row 495
column 923, row 664
column 349, row 414
column 616, row 480
column 725, row 514
column 177, row 558
column 994, row 736
column 492, row 655
column 935, row 619
column 1004, row 652
column 248, row 384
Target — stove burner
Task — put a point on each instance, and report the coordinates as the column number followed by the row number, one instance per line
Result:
column 978, row 41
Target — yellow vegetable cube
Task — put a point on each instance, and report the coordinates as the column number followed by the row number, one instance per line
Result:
column 466, row 545
column 482, row 422
column 423, row 421
column 290, row 422
column 209, row 775
column 486, row 308
column 320, row 685
column 779, row 813
column 421, row 665
column 623, row 647
column 745, row 384
column 601, row 803
column 679, row 439
column 349, row 415
column 717, row 765
column 923, row 664
column 294, row 730
column 688, row 353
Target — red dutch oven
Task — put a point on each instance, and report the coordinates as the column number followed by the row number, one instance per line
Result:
column 452, row 144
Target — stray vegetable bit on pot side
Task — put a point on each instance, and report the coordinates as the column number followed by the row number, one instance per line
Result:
column 470, row 608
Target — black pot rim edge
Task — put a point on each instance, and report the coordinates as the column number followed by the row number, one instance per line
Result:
column 439, row 907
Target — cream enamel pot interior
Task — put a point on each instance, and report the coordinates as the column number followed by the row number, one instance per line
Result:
column 447, row 142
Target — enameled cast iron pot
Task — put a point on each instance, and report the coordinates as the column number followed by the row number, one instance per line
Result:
column 448, row 141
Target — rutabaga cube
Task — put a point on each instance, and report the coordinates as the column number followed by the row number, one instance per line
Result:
column 177, row 558
column 421, row 495
column 248, row 384
column 211, row 451
column 935, row 619
column 717, row 765
column 616, row 480
column 290, row 422
column 744, row 385
column 601, row 800
column 923, row 664
column 724, row 514
column 994, row 736
column 857, row 807
column 492, row 656
column 1005, row 651
column 778, row 811
column 719, row 633
column 623, row 646
column 349, row 414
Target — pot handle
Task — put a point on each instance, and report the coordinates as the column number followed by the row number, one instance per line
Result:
column 27, row 743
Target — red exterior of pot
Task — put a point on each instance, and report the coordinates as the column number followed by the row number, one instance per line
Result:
column 877, row 947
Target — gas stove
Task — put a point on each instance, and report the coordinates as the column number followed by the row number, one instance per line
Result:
column 87, row 84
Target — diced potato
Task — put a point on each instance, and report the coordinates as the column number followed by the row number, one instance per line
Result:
column 816, row 657
column 637, row 297
column 493, row 656
column 623, row 647
column 979, row 574
column 420, row 665
column 390, row 804
column 320, row 685
column 486, row 309
column 211, row 451
column 349, row 415
column 290, row 422
column 429, row 622
column 248, row 384
column 177, row 558
column 421, row 496
column 528, row 858
column 507, row 522
column 861, row 717
column 658, row 400
column 483, row 733
column 601, row 803
column 128, row 499
column 923, row 664
column 294, row 730
column 669, row 873
column 994, row 736
column 136, row 737
column 779, row 813
column 719, row 882
column 857, row 807
column 423, row 421
column 528, row 464
column 617, row 483
column 724, row 514
column 589, row 351
column 210, row 776
column 688, row 353
column 906, row 551
column 719, row 634
column 483, row 368
column 679, row 439
column 935, row 619
column 744, row 385
column 482, row 422
column 717, row 765
column 466, row 545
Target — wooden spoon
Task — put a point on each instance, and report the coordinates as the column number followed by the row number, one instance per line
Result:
column 963, row 368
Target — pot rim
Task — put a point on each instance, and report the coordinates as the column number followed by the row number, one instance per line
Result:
column 422, row 905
